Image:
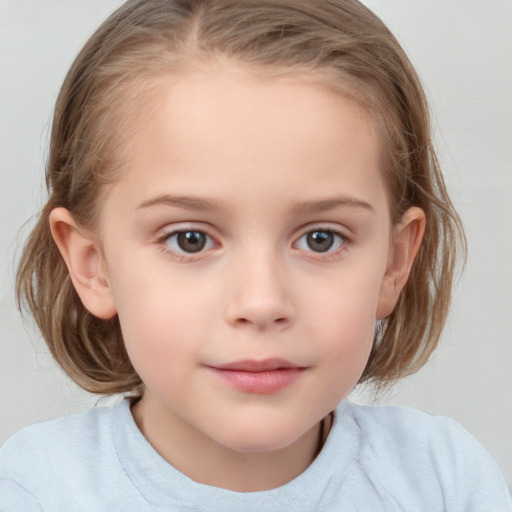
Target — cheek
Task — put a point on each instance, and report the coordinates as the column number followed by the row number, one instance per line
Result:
column 347, row 302
column 157, row 317
column 163, row 317
column 142, row 304
column 342, row 350
column 342, row 320
column 350, row 340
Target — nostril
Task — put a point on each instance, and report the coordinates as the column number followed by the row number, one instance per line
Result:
column 259, row 312
column 281, row 321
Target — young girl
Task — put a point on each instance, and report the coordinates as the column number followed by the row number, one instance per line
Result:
column 246, row 219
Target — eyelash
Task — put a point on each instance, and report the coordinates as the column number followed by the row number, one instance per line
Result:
column 163, row 244
column 340, row 244
column 182, row 256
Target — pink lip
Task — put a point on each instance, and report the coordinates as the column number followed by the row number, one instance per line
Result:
column 262, row 377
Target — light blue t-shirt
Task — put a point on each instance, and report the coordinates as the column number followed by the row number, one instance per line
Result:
column 375, row 459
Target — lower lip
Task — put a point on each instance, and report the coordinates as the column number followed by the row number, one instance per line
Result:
column 263, row 383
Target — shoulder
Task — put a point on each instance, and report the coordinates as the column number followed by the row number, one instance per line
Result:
column 408, row 428
column 433, row 454
column 398, row 424
column 65, row 464
column 37, row 450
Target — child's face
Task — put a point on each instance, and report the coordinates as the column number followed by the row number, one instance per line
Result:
column 250, row 231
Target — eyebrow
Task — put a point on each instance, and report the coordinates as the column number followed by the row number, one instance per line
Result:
column 186, row 202
column 324, row 205
column 305, row 207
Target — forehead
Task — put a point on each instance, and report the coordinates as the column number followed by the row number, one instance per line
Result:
column 233, row 126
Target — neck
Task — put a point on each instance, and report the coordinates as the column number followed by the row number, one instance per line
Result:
column 210, row 463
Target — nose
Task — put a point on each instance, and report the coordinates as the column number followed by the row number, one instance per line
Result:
column 260, row 294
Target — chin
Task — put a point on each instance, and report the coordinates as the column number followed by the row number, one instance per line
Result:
column 261, row 438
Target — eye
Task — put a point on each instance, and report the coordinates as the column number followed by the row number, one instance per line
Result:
column 188, row 241
column 320, row 240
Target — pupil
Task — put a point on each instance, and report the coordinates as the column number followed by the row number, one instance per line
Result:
column 191, row 241
column 320, row 241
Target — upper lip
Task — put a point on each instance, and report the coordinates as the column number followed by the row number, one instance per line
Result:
column 254, row 365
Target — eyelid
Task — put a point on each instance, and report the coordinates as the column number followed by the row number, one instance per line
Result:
column 179, row 227
column 342, row 231
column 336, row 230
column 169, row 231
column 172, row 229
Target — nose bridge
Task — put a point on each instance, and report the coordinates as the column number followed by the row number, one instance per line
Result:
column 259, row 296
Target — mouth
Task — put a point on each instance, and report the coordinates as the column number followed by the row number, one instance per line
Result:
column 265, row 377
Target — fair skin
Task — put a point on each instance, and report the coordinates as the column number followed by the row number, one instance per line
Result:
column 249, row 232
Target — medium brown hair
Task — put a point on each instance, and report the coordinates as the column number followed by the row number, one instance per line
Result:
column 340, row 42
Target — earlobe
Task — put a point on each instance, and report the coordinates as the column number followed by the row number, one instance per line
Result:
column 85, row 263
column 406, row 241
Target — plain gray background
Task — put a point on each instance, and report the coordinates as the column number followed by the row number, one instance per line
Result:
column 462, row 50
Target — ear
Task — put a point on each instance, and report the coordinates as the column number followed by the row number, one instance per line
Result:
column 85, row 263
column 405, row 243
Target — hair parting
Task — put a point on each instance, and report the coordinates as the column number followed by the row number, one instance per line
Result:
column 339, row 44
